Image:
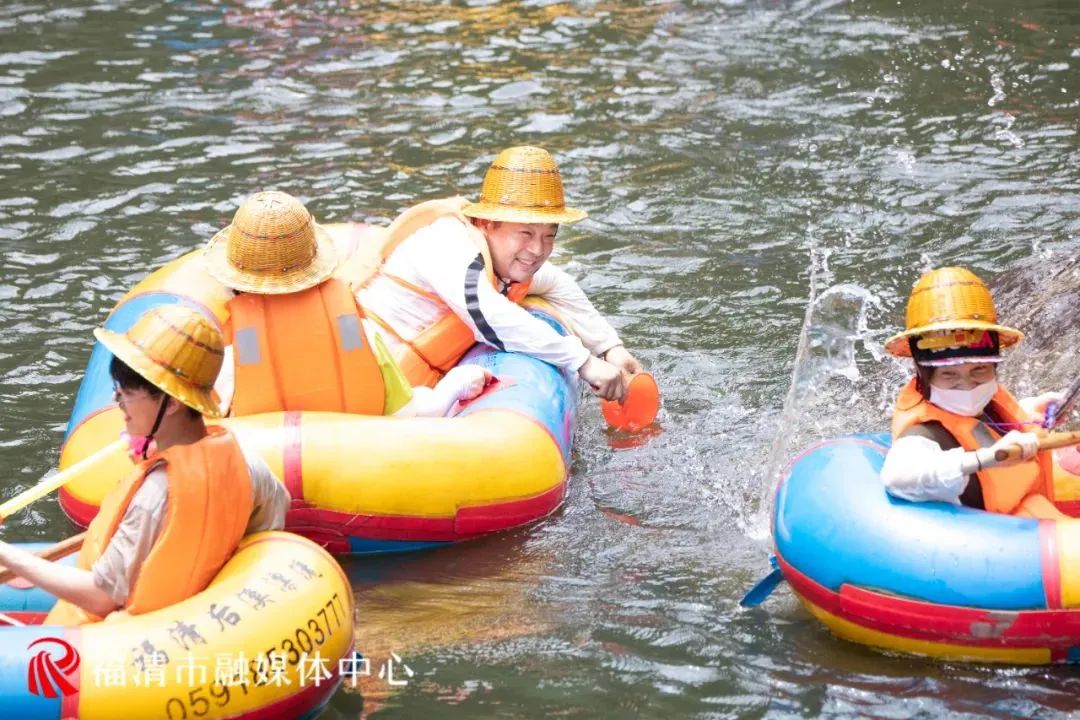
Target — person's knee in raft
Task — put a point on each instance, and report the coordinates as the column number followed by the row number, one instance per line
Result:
column 451, row 273
column 953, row 417
column 163, row 533
column 294, row 331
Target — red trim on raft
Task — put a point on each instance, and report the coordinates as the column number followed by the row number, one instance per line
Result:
column 80, row 512
column 1069, row 507
column 481, row 519
column 1051, row 565
column 330, row 527
column 974, row 627
column 291, row 458
column 69, row 704
column 25, row 617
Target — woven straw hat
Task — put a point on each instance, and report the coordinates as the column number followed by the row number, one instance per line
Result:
column 950, row 299
column 523, row 185
column 177, row 350
column 272, row 247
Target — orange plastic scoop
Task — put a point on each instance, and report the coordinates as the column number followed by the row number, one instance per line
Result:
column 638, row 409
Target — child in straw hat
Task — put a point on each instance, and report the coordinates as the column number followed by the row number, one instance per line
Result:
column 457, row 272
column 162, row 534
column 295, row 339
column 953, row 416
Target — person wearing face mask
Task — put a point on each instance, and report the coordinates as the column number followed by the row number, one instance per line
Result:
column 953, row 416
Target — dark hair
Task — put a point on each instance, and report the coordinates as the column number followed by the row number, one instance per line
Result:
column 922, row 379
column 128, row 379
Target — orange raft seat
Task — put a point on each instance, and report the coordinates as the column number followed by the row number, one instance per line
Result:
column 361, row 483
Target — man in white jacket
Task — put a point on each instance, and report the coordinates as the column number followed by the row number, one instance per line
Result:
column 456, row 274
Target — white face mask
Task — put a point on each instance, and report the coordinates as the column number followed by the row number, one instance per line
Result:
column 964, row 402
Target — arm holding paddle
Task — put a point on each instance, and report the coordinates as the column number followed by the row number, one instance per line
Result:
column 1048, row 410
column 64, row 581
column 67, row 582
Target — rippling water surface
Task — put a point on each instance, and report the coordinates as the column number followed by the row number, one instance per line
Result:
column 736, row 158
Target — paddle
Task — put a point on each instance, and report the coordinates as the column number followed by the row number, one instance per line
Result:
column 1047, row 442
column 638, row 409
column 53, row 552
column 55, row 482
column 764, row 587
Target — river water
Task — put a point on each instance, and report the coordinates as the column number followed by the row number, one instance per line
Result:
column 739, row 160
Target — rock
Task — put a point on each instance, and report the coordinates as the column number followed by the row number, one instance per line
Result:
column 1041, row 298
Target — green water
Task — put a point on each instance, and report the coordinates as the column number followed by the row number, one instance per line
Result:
column 736, row 158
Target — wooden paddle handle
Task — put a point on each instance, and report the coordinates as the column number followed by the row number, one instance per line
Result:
column 53, row 552
column 1050, row 441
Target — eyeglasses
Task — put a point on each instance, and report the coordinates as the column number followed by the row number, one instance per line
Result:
column 128, row 395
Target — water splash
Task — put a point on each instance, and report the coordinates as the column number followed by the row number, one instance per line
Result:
column 823, row 380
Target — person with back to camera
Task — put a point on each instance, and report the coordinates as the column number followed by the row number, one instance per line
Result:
column 294, row 335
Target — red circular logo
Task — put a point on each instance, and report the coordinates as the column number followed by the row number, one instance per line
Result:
column 48, row 677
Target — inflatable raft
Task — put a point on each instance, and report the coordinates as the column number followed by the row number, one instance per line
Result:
column 931, row 578
column 363, row 484
column 269, row 638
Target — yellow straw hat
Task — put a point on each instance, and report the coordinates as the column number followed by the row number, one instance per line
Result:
column 523, row 185
column 943, row 305
column 272, row 247
column 177, row 350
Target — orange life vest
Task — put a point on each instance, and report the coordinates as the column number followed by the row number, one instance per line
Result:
column 208, row 510
column 439, row 346
column 1004, row 489
column 303, row 351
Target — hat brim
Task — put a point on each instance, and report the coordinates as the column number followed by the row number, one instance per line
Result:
column 949, row 362
column 506, row 213
column 321, row 267
column 898, row 346
column 131, row 355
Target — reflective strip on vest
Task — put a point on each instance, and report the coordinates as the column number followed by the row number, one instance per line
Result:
column 350, row 333
column 303, row 351
column 246, row 346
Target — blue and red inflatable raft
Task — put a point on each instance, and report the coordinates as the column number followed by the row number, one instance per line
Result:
column 930, row 578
